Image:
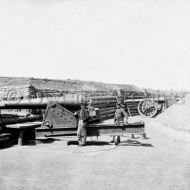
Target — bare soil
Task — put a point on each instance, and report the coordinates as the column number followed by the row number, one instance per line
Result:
column 160, row 162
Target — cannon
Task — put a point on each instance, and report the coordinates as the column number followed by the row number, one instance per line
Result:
column 68, row 101
column 71, row 102
column 59, row 120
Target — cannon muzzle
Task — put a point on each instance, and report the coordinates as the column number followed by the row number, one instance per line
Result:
column 68, row 101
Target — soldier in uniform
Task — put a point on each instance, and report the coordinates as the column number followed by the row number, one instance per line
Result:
column 83, row 117
column 120, row 115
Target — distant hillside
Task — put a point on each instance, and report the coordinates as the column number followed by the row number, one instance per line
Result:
column 64, row 85
column 48, row 87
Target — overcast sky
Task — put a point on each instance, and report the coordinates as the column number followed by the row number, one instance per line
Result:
column 140, row 42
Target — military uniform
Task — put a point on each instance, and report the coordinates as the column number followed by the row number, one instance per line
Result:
column 119, row 116
column 83, row 115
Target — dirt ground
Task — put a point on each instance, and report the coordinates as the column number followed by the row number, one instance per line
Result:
column 160, row 162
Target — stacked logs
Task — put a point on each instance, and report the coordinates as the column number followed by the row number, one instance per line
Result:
column 10, row 93
column 106, row 105
column 17, row 92
column 12, row 119
column 131, row 107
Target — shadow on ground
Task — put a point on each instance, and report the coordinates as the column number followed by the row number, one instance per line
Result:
column 47, row 140
column 130, row 142
column 5, row 146
column 89, row 143
column 122, row 143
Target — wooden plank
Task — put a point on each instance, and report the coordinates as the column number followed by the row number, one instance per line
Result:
column 115, row 131
column 106, row 112
column 102, row 125
column 9, row 121
column 45, row 132
column 104, row 102
column 103, row 105
column 94, row 130
column 102, row 98
column 26, row 125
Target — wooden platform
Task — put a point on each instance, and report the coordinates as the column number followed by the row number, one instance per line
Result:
column 22, row 129
column 95, row 129
column 113, row 129
column 33, row 130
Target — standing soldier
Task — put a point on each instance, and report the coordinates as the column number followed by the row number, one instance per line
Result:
column 120, row 115
column 83, row 116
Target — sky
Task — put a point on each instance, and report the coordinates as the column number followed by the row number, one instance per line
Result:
column 141, row 42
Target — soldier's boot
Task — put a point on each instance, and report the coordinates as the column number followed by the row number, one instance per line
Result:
column 83, row 141
column 79, row 141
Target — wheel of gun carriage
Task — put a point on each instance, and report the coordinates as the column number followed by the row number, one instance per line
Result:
column 148, row 108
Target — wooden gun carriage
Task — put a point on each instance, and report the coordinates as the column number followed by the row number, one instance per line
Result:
column 59, row 120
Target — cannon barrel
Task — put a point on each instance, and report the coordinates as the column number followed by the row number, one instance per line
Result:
column 68, row 101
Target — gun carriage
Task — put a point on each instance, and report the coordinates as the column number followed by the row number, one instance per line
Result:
column 58, row 118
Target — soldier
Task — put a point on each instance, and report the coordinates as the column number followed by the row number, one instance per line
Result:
column 83, row 116
column 120, row 115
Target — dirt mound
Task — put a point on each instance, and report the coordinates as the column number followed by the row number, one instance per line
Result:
column 65, row 85
column 177, row 116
